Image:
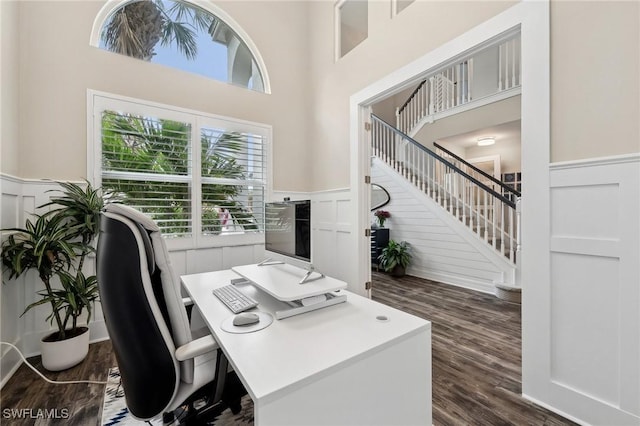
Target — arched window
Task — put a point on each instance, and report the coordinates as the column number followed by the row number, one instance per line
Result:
column 193, row 36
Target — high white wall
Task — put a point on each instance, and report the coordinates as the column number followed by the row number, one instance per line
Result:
column 57, row 65
column 595, row 63
column 9, row 78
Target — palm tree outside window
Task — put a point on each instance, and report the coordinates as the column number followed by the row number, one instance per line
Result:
column 198, row 176
column 181, row 35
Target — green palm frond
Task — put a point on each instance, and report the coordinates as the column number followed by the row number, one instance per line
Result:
column 182, row 36
column 51, row 244
column 136, row 28
column 184, row 12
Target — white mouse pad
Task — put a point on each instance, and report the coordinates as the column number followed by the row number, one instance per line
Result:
column 265, row 321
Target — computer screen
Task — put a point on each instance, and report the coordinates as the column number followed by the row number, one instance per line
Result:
column 288, row 229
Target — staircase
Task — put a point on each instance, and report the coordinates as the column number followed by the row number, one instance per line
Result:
column 489, row 210
column 492, row 71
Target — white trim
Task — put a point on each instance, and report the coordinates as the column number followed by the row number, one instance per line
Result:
column 337, row 33
column 394, row 8
column 553, row 409
column 600, row 161
column 112, row 5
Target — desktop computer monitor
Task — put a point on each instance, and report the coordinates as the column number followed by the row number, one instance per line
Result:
column 288, row 232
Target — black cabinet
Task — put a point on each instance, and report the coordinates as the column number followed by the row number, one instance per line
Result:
column 379, row 240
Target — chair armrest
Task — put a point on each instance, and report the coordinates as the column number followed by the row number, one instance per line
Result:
column 196, row 348
column 187, row 301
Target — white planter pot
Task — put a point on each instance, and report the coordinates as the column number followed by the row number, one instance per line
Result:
column 66, row 353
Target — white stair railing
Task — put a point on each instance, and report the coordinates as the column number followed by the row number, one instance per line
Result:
column 511, row 193
column 484, row 211
column 453, row 86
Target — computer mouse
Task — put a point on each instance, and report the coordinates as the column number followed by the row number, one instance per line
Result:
column 245, row 318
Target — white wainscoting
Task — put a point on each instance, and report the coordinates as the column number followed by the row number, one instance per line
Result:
column 594, row 293
column 332, row 233
column 20, row 197
column 443, row 248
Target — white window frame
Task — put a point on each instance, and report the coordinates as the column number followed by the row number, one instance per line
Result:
column 337, row 23
column 100, row 101
column 394, row 8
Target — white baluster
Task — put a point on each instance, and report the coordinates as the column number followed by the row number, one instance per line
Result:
column 452, row 94
column 507, row 58
column 389, row 149
column 513, row 63
column 511, row 239
column 495, row 227
column 518, row 211
column 411, row 118
column 486, row 216
column 431, row 96
column 477, row 208
column 416, row 167
column 464, row 201
column 500, row 65
column 471, row 204
column 423, row 100
column 503, row 233
column 470, row 89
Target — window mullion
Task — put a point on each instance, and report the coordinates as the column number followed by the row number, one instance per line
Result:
column 196, row 173
column 141, row 176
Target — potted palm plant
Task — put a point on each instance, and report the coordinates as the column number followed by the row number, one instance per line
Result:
column 56, row 245
column 395, row 258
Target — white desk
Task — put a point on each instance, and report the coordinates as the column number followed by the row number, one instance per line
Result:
column 339, row 365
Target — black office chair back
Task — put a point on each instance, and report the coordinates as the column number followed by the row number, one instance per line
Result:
column 136, row 315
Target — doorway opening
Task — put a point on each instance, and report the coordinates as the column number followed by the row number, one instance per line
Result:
column 532, row 20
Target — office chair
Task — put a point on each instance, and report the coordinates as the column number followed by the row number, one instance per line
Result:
column 162, row 366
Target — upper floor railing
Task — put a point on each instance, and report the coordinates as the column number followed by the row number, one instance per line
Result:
column 486, row 72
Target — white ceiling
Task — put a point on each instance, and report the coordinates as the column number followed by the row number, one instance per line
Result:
column 506, row 131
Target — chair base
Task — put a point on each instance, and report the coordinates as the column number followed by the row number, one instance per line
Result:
column 205, row 412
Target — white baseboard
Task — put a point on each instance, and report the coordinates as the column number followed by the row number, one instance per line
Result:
column 454, row 280
column 554, row 409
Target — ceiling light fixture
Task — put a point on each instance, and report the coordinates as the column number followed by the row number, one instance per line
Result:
column 486, row 141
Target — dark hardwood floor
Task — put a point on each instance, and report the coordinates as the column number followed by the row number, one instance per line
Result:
column 476, row 362
column 476, row 351
column 74, row 404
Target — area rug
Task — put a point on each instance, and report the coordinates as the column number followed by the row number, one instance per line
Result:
column 114, row 407
column 115, row 412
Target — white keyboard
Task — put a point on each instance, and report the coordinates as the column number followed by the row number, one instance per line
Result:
column 234, row 299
